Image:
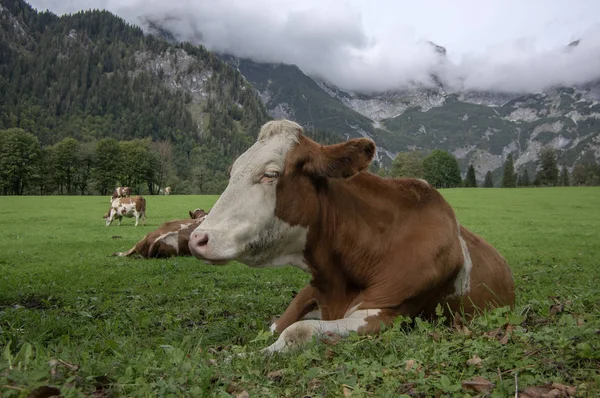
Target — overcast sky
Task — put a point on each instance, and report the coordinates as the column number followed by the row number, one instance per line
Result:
column 364, row 45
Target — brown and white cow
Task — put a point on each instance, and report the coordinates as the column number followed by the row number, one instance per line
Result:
column 377, row 248
column 127, row 207
column 120, row 192
column 167, row 190
column 168, row 240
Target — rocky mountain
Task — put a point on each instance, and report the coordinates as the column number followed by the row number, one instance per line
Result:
column 481, row 128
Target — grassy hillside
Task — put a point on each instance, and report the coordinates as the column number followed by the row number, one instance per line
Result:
column 75, row 318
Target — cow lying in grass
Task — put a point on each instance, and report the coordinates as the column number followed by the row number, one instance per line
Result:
column 168, row 240
column 127, row 207
column 377, row 248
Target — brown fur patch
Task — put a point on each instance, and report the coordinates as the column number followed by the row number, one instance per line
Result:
column 389, row 244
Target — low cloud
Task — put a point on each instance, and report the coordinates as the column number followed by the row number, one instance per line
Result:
column 328, row 40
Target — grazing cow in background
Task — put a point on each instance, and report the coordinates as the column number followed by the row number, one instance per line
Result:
column 168, row 240
column 377, row 248
column 120, row 192
column 127, row 207
column 198, row 213
column 167, row 190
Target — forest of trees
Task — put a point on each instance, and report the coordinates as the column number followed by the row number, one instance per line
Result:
column 440, row 168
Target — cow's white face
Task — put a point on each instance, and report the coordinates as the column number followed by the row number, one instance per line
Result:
column 242, row 224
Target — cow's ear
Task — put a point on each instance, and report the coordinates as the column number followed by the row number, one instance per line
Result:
column 191, row 214
column 340, row 160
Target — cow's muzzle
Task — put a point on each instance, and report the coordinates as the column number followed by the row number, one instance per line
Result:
column 198, row 246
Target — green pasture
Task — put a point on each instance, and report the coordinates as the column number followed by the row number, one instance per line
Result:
column 73, row 317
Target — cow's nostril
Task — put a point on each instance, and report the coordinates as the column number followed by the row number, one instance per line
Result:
column 201, row 239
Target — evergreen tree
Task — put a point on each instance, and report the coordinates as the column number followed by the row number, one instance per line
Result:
column 441, row 169
column 525, row 178
column 488, row 183
column 564, row 177
column 407, row 164
column 579, row 174
column 548, row 168
column 509, row 179
column 470, row 180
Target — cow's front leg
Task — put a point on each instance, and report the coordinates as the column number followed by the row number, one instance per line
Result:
column 304, row 305
column 120, row 219
column 137, row 218
column 300, row 333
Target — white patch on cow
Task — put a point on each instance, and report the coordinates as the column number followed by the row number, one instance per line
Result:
column 462, row 283
column 315, row 314
column 352, row 310
column 302, row 332
column 242, row 223
column 170, row 239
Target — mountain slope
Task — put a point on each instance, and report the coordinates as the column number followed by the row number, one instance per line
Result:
column 482, row 128
column 91, row 75
column 288, row 93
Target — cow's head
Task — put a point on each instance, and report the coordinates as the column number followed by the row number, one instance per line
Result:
column 262, row 217
column 198, row 213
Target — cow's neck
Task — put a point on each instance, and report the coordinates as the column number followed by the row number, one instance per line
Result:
column 341, row 244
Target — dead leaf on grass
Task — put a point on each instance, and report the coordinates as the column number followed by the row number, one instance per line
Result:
column 243, row 394
column 409, row 364
column 347, row 391
column 554, row 390
column 478, row 384
column 275, row 375
column 556, row 309
column 502, row 334
column 407, row 389
column 475, row 361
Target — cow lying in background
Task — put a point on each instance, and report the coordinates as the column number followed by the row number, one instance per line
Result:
column 120, row 192
column 170, row 239
column 198, row 213
column 127, row 207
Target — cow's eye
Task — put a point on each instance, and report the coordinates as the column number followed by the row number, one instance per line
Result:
column 269, row 176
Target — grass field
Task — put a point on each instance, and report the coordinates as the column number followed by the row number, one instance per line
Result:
column 75, row 318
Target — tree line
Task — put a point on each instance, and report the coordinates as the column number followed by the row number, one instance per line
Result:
column 549, row 174
column 440, row 168
column 72, row 167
